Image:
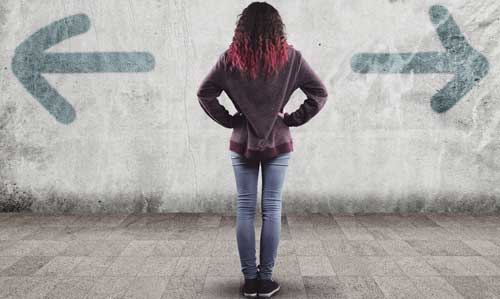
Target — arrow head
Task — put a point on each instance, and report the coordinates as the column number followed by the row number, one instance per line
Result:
column 468, row 65
column 30, row 61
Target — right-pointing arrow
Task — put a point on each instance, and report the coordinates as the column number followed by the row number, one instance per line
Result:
column 468, row 65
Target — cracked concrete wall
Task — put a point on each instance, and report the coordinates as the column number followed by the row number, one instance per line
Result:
column 141, row 142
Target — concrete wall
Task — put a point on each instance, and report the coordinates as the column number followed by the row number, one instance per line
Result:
column 139, row 141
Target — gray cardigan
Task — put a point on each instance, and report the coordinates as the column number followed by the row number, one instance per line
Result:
column 258, row 132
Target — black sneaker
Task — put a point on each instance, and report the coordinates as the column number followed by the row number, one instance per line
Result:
column 250, row 287
column 267, row 287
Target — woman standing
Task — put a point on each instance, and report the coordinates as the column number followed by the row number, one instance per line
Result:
column 259, row 72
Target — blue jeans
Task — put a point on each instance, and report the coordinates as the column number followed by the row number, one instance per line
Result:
column 247, row 174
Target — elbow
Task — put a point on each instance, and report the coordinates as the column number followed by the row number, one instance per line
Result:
column 200, row 100
column 324, row 97
column 199, row 93
column 324, row 91
column 322, row 102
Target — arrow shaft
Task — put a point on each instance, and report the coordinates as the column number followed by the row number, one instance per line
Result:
column 96, row 62
column 419, row 63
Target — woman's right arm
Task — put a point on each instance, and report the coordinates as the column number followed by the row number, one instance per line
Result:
column 312, row 86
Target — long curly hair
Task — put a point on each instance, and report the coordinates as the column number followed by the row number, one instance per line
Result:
column 259, row 43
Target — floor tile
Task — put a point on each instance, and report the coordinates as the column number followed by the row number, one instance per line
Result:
column 361, row 287
column 315, row 266
column 26, row 266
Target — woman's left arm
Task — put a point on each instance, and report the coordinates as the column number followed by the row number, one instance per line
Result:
column 210, row 88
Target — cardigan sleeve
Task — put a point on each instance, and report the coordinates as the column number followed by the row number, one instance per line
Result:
column 211, row 87
column 316, row 95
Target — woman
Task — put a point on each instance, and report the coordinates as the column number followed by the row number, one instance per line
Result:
column 259, row 72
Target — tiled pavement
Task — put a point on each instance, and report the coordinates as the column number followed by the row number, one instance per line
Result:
column 195, row 256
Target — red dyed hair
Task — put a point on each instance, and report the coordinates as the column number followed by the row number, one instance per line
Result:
column 259, row 42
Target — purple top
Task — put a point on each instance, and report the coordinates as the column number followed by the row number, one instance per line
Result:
column 258, row 132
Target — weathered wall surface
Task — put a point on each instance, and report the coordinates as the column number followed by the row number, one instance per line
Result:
column 104, row 132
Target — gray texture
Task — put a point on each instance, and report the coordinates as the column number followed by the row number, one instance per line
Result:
column 164, row 256
column 141, row 143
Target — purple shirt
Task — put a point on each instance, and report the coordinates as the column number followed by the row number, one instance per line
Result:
column 258, row 132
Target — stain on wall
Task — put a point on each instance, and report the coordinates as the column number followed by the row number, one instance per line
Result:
column 13, row 198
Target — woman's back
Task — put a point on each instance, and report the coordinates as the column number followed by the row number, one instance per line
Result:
column 258, row 132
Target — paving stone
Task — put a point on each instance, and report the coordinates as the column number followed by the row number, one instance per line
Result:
column 26, row 286
column 140, row 248
column 471, row 287
column 398, row 248
column 365, row 265
column 146, row 287
column 48, row 247
column 448, row 265
column 479, row 265
column 361, row 287
column 222, row 287
column 11, row 232
column 59, row 265
column 286, row 265
column 329, row 233
column 383, row 233
column 92, row 265
column 313, row 247
column 198, row 248
column 26, row 266
column 435, row 287
column 71, row 287
column 415, row 266
column 110, row 287
column 192, row 266
column 170, row 248
column 397, row 287
column 224, row 266
column 484, row 247
column 315, row 266
column 7, row 261
column 324, row 287
column 493, row 283
column 125, row 266
column 159, row 266
column 81, row 247
column 184, row 286
column 48, row 233
column 443, row 247
column 303, row 233
column 19, row 248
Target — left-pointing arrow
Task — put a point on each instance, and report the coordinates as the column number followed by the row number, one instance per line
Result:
column 31, row 61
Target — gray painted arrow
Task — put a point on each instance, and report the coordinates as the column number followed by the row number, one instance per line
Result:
column 30, row 62
column 468, row 65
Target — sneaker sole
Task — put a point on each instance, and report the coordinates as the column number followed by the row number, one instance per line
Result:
column 250, row 294
column 270, row 293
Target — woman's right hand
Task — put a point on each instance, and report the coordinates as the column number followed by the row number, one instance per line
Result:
column 238, row 118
